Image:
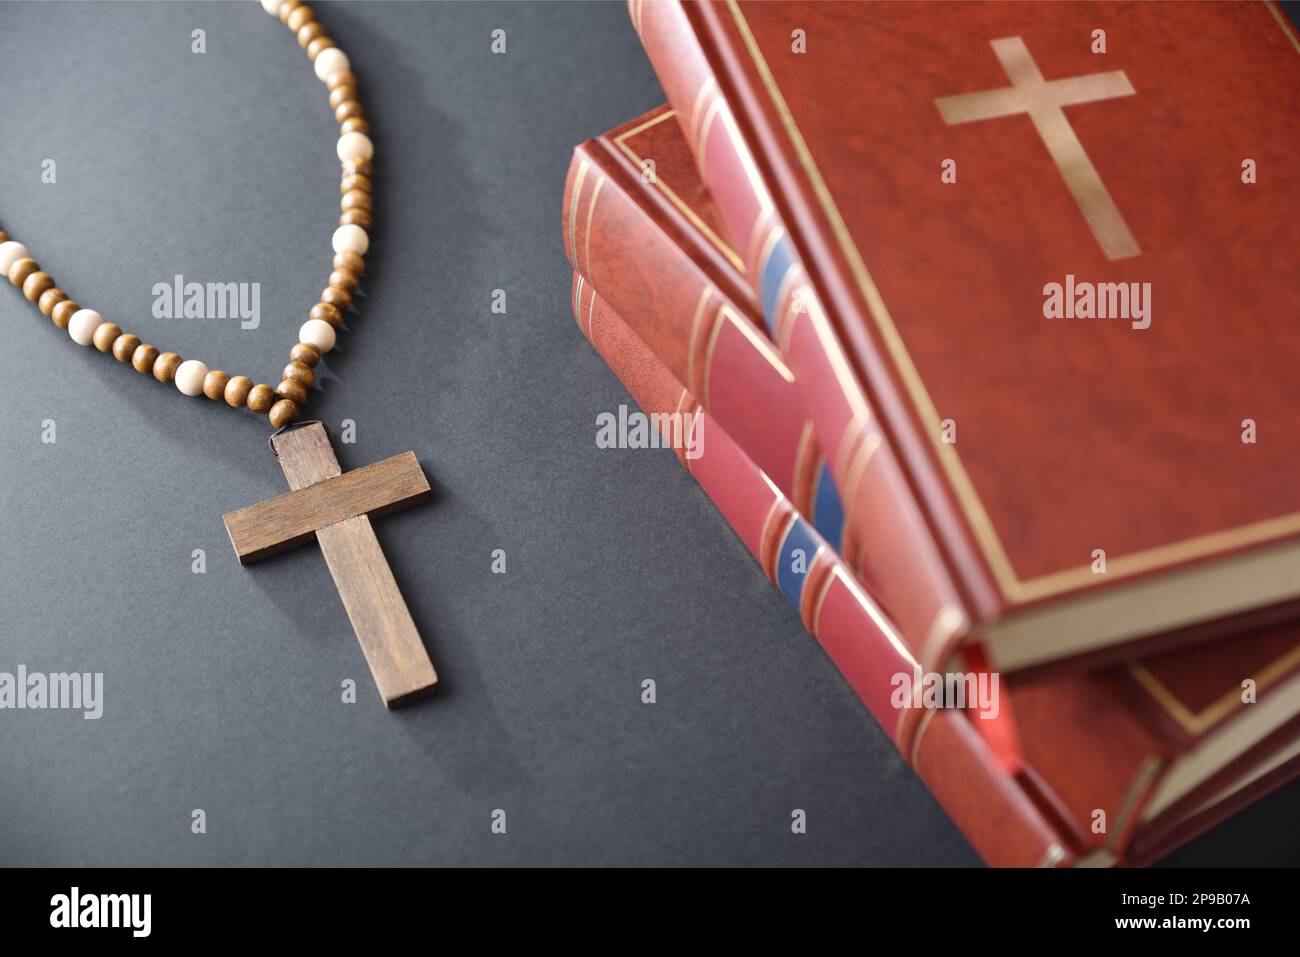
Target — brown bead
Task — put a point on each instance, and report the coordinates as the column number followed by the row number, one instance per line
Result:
column 106, row 336
column 49, row 299
column 283, row 412
column 308, row 32
column 349, row 109
column 214, row 384
column 237, row 390
column 350, row 261
column 4, row 236
column 293, row 390
column 260, row 397
column 354, row 182
column 305, row 353
column 341, row 94
column 354, row 125
column 359, row 165
column 144, row 357
column 344, row 279
column 299, row 372
column 339, row 79
column 319, row 46
column 37, row 284
column 165, row 366
column 287, row 7
column 125, row 346
column 327, row 312
column 21, row 269
column 358, row 217
column 299, row 17
column 341, row 299
column 62, row 312
column 356, row 199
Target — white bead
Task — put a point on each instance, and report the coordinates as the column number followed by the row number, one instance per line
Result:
column 10, row 253
column 351, row 239
column 83, row 324
column 272, row 6
column 330, row 60
column 190, row 375
column 355, row 145
column 319, row 333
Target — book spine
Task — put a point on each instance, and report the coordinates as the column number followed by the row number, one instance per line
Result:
column 695, row 315
column 987, row 803
column 887, row 539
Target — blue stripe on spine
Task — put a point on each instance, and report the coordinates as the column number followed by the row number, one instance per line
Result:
column 828, row 510
column 773, row 273
column 789, row 576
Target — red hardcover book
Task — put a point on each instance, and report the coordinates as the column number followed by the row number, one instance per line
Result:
column 1119, row 766
column 1043, row 270
column 639, row 226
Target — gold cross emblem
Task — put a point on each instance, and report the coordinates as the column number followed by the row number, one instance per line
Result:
column 1043, row 100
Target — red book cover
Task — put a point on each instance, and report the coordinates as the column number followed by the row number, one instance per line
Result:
column 1117, row 766
column 639, row 225
column 938, row 204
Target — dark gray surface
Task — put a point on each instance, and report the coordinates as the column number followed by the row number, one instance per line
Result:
column 222, row 690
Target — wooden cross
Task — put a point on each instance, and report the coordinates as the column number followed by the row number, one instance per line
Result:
column 1042, row 100
column 335, row 508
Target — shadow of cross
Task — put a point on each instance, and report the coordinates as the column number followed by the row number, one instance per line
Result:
column 335, row 508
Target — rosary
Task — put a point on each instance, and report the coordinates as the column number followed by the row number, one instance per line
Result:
column 325, row 503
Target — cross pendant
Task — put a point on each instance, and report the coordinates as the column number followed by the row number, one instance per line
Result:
column 335, row 508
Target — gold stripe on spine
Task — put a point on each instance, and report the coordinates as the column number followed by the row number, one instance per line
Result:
column 708, row 85
column 762, row 237
column 591, row 314
column 914, row 751
column 591, row 212
column 1012, row 587
column 1139, row 788
column 620, row 141
column 1282, row 22
column 573, row 208
column 775, row 531
column 803, row 480
column 822, row 592
column 759, row 342
column 1052, row 856
column 694, row 377
column 948, row 622
column 817, row 581
column 719, row 320
column 577, row 300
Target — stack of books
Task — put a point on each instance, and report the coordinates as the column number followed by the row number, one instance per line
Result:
column 978, row 323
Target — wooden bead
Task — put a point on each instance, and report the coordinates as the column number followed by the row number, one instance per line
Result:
column 237, row 390
column 299, row 372
column 293, row 390
column 351, row 239
column 260, row 397
column 340, row 79
column 355, row 125
column 309, row 31
column 363, row 166
column 10, row 253
column 341, row 94
column 332, row 60
column 345, row 279
column 106, row 336
column 356, row 199
column 144, row 357
column 299, row 17
column 49, row 299
column 283, row 412
column 190, row 375
column 347, row 110
column 165, row 366
column 21, row 269
column 326, row 312
column 351, row 262
column 319, row 46
column 125, row 346
column 359, row 218
column 37, row 284
column 319, row 334
column 82, row 326
column 353, row 182
column 287, row 7
column 63, row 312
column 334, row 296
column 4, row 237
column 214, row 384
column 305, row 353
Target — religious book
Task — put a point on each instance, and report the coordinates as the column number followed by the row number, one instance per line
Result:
column 1115, row 766
column 1033, row 278
column 639, row 224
